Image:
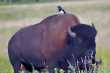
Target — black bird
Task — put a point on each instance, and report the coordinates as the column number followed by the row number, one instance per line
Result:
column 61, row 10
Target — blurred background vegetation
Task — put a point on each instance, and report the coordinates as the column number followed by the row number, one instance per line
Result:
column 15, row 14
column 28, row 1
column 33, row 1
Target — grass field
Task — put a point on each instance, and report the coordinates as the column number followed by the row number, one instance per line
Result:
column 13, row 17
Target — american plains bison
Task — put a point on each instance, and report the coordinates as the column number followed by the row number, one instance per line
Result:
column 51, row 43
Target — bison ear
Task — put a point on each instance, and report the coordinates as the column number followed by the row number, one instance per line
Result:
column 72, row 34
column 93, row 25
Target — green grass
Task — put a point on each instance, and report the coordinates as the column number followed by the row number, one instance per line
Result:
column 97, row 12
column 103, row 53
column 5, row 66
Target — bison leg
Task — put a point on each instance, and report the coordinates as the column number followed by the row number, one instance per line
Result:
column 51, row 71
column 53, row 68
column 41, row 69
column 63, row 66
column 16, row 67
column 27, row 68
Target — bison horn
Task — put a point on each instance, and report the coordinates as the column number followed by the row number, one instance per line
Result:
column 72, row 34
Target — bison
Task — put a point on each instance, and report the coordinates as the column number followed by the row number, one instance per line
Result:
column 50, row 43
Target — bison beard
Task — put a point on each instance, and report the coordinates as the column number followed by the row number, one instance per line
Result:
column 50, row 43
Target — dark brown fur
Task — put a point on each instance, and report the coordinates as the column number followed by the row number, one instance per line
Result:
column 49, row 45
column 41, row 43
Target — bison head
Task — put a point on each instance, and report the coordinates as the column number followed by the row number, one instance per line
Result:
column 81, row 41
